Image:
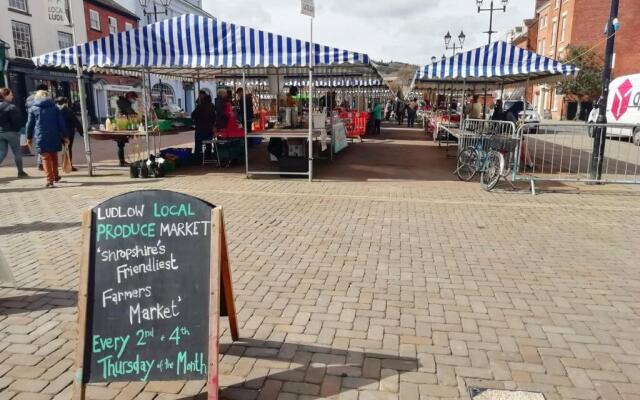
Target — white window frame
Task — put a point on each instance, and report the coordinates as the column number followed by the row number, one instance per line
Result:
column 113, row 24
column 563, row 27
column 29, row 43
column 26, row 7
column 60, row 33
column 554, row 32
column 128, row 26
column 92, row 14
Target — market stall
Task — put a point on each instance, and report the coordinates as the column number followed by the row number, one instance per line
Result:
column 497, row 65
column 194, row 48
column 489, row 67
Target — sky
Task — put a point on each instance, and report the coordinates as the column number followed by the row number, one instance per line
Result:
column 409, row 31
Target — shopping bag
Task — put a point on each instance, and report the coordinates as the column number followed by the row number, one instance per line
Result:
column 66, row 160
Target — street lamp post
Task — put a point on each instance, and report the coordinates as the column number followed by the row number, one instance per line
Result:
column 490, row 32
column 600, row 135
column 164, row 3
column 455, row 47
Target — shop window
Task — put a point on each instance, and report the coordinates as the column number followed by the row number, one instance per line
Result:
column 162, row 93
column 94, row 19
column 65, row 40
column 22, row 44
column 113, row 25
column 18, row 5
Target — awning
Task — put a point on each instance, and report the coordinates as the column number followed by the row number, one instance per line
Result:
column 177, row 46
column 499, row 62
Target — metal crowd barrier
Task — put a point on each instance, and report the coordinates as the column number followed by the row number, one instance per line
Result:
column 474, row 129
column 564, row 152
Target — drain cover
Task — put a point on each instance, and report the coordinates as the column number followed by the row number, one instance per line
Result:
column 497, row 394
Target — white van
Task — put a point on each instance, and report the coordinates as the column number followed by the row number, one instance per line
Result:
column 623, row 106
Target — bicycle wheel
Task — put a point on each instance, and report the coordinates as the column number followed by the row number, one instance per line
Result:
column 468, row 164
column 494, row 168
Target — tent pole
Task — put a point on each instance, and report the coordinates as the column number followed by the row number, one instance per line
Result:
column 146, row 114
column 311, row 62
column 244, row 123
column 83, row 98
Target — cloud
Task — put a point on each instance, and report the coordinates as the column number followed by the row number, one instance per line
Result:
column 403, row 30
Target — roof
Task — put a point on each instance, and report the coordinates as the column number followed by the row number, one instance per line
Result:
column 114, row 6
column 194, row 47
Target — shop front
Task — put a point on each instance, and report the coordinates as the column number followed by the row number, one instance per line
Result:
column 24, row 78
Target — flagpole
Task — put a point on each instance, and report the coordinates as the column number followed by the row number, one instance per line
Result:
column 81, row 93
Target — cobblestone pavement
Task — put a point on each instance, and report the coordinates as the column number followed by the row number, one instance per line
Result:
column 359, row 290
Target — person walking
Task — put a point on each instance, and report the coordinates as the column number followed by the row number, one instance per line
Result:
column 387, row 111
column 412, row 111
column 71, row 123
column 377, row 118
column 125, row 108
column 204, row 117
column 476, row 108
column 10, row 124
column 400, row 109
column 28, row 104
column 46, row 125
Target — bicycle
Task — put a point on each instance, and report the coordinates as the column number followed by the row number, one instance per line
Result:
column 502, row 149
column 491, row 163
column 472, row 158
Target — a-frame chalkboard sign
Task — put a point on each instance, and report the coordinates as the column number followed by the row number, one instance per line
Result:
column 154, row 279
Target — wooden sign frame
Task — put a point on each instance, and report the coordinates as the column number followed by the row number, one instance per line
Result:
column 220, row 290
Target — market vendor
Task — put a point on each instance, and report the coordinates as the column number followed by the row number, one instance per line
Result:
column 240, row 110
column 290, row 101
column 125, row 107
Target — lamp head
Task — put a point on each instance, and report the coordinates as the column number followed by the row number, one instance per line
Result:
column 447, row 39
column 462, row 37
column 143, row 3
column 479, row 3
column 167, row 3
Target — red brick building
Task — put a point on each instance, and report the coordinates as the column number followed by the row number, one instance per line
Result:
column 103, row 17
column 563, row 23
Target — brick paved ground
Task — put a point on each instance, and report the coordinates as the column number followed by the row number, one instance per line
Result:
column 360, row 290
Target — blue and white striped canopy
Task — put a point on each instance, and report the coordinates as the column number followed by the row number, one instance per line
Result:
column 192, row 41
column 499, row 61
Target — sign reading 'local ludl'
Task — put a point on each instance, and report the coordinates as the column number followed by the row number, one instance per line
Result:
column 155, row 273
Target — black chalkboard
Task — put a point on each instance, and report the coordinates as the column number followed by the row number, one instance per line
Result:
column 147, row 310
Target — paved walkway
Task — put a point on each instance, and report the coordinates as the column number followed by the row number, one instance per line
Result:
column 354, row 289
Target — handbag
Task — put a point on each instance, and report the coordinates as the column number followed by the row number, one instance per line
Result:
column 66, row 160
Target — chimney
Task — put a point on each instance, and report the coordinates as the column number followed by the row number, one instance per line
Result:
column 540, row 3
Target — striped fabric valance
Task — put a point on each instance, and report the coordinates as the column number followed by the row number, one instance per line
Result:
column 193, row 41
column 336, row 82
column 499, row 61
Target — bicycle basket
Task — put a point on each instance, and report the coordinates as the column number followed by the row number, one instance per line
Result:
column 503, row 144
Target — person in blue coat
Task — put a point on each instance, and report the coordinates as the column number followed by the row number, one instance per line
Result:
column 45, row 127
